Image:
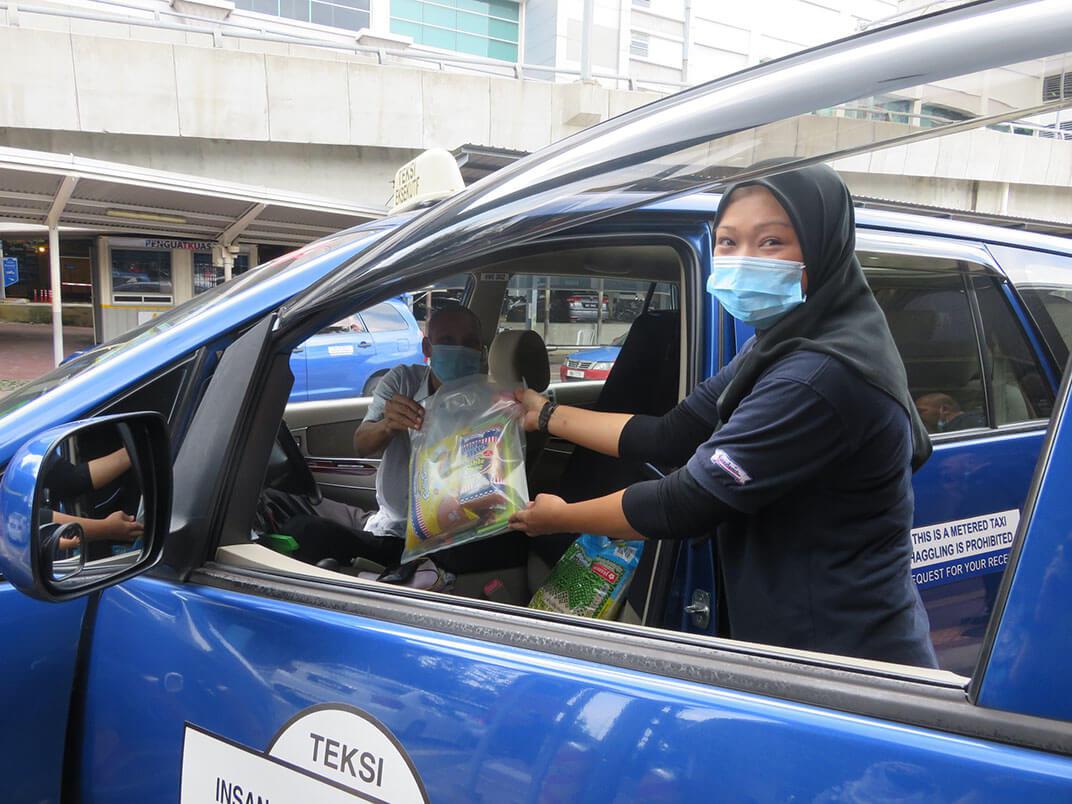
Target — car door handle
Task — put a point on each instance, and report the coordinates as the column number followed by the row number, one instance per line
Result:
column 364, row 344
column 298, row 350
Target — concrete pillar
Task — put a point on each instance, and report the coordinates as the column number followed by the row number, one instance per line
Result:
column 586, row 40
column 57, row 306
column 380, row 16
column 182, row 275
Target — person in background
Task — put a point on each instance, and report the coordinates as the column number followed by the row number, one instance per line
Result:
column 798, row 454
column 941, row 413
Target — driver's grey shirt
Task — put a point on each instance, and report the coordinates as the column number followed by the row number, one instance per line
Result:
column 392, row 481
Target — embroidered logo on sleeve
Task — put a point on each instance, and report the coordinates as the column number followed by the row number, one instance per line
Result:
column 730, row 467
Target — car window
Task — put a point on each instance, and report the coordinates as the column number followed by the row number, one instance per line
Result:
column 948, row 364
column 383, row 318
column 578, row 314
column 930, row 317
column 352, row 323
column 1044, row 282
column 1019, row 390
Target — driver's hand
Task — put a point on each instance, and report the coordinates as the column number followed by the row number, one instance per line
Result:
column 533, row 403
column 402, row 413
column 122, row 527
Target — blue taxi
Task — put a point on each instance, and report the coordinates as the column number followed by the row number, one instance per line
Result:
column 162, row 649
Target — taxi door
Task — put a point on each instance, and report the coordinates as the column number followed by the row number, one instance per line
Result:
column 40, row 661
column 225, row 681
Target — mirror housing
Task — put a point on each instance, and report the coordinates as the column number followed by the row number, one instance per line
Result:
column 31, row 544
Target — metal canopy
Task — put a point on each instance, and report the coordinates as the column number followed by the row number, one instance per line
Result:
column 112, row 197
column 39, row 188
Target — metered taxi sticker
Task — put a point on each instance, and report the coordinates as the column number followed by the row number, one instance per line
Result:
column 329, row 753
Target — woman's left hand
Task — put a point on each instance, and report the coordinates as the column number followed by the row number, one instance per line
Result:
column 543, row 515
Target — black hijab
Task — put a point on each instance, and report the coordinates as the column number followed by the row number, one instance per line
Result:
column 840, row 316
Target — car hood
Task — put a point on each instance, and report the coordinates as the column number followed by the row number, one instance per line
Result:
column 605, row 354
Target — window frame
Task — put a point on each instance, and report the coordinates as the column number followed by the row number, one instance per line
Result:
column 971, row 258
column 242, row 468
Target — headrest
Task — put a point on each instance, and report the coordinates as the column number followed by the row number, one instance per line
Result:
column 519, row 354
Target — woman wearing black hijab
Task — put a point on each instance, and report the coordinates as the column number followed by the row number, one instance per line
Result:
column 800, row 451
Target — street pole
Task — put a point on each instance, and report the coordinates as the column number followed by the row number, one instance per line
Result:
column 586, row 40
column 57, row 307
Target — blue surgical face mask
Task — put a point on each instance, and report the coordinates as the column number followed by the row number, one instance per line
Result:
column 454, row 362
column 755, row 290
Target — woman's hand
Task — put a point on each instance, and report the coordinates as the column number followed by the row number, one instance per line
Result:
column 121, row 527
column 544, row 515
column 533, row 403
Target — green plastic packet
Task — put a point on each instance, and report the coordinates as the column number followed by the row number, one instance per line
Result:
column 591, row 579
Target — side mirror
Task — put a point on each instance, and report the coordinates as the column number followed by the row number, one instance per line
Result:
column 86, row 505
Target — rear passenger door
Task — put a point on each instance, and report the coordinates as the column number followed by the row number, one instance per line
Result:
column 986, row 397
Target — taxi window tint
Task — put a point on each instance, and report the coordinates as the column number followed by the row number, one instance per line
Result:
column 1044, row 282
column 1019, row 390
column 383, row 318
column 160, row 394
column 931, row 321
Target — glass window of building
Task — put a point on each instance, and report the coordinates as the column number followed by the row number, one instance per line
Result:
column 207, row 275
column 141, row 275
column 479, row 27
column 350, row 14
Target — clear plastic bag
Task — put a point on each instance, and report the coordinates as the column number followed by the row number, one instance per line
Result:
column 467, row 467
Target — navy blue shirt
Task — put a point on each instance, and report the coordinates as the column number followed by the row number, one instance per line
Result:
column 816, row 463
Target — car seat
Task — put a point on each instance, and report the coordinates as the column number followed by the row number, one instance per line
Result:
column 643, row 380
column 516, row 356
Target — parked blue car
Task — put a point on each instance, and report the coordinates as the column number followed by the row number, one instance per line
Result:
column 349, row 358
column 200, row 661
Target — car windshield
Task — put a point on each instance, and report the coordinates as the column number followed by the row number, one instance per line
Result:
column 172, row 318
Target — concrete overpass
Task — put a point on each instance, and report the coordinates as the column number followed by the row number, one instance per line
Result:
column 337, row 121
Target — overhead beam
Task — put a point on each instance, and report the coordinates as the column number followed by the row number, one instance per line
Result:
column 232, row 232
column 60, row 199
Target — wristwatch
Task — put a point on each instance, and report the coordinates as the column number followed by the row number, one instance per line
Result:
column 545, row 415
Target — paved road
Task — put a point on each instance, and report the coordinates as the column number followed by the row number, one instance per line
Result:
column 26, row 351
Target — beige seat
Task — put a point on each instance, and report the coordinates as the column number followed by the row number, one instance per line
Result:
column 520, row 355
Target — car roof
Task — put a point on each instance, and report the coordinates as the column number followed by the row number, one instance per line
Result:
column 707, row 204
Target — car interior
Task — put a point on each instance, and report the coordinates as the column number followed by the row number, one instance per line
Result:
column 314, row 453
column 928, row 303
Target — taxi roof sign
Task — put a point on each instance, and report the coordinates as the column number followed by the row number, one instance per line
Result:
column 432, row 176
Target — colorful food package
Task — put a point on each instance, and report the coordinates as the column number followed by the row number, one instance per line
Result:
column 467, row 467
column 591, row 579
